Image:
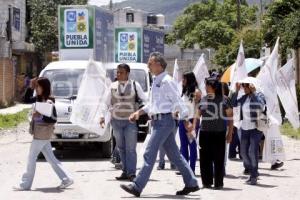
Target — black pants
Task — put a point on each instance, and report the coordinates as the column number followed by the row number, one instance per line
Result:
column 234, row 145
column 212, row 155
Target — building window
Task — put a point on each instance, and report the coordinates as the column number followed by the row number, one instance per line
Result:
column 129, row 17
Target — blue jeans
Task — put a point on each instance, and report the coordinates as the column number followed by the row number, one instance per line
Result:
column 162, row 154
column 250, row 150
column 187, row 149
column 44, row 146
column 125, row 133
column 163, row 134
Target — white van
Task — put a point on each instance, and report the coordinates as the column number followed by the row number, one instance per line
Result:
column 65, row 78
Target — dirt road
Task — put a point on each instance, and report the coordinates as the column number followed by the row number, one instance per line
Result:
column 95, row 178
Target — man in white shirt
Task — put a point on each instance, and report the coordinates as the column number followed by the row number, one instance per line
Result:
column 121, row 102
column 164, row 100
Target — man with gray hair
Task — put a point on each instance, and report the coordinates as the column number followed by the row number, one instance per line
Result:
column 164, row 100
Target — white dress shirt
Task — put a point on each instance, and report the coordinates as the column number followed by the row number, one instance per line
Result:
column 165, row 97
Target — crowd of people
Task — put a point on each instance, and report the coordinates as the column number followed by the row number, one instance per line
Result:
column 206, row 125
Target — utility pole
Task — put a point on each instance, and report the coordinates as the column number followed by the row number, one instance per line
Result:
column 238, row 20
column 110, row 5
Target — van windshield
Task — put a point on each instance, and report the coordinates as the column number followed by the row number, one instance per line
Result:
column 135, row 74
column 65, row 82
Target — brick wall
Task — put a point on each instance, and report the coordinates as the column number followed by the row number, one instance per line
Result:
column 6, row 81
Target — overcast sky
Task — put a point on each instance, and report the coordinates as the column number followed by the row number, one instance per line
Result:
column 102, row 2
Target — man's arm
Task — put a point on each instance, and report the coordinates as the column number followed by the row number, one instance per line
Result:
column 105, row 107
column 171, row 91
column 140, row 92
column 229, row 115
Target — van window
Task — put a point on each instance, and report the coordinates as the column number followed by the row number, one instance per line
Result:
column 65, row 82
column 135, row 74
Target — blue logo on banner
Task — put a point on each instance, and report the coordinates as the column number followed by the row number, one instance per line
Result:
column 71, row 27
column 123, row 37
column 124, row 46
column 71, row 16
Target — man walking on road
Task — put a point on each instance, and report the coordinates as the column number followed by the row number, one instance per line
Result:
column 164, row 100
column 121, row 101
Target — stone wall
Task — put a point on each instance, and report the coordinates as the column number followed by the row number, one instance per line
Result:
column 6, row 82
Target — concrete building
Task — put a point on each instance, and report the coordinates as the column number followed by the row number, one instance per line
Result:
column 16, row 55
column 129, row 17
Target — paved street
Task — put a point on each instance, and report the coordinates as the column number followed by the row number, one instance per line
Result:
column 95, row 178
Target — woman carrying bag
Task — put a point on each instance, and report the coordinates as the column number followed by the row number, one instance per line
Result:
column 42, row 128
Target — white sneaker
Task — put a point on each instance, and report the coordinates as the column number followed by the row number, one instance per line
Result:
column 65, row 183
column 19, row 188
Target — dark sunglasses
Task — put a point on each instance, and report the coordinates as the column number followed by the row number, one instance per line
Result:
column 245, row 84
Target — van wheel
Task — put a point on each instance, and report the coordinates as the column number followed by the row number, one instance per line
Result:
column 41, row 156
column 107, row 148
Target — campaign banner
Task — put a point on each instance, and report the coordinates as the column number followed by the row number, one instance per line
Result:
column 76, row 27
column 128, row 45
column 153, row 41
column 104, row 35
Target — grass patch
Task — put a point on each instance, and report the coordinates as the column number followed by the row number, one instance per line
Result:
column 288, row 130
column 12, row 120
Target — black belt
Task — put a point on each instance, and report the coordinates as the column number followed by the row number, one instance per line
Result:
column 159, row 116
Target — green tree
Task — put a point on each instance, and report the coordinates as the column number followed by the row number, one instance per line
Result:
column 43, row 22
column 252, row 39
column 210, row 24
column 283, row 19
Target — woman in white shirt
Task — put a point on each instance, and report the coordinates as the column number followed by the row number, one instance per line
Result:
column 191, row 96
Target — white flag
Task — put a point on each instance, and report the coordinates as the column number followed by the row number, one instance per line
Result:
column 201, row 72
column 286, row 90
column 177, row 76
column 274, row 148
column 239, row 71
column 267, row 79
column 90, row 101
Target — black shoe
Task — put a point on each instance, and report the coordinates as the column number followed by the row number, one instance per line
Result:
column 130, row 189
column 277, row 165
column 160, row 167
column 173, row 167
column 218, row 187
column 187, row 190
column 122, row 177
column 207, row 186
column 178, row 173
column 252, row 181
column 248, row 181
column 246, row 172
column 131, row 178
